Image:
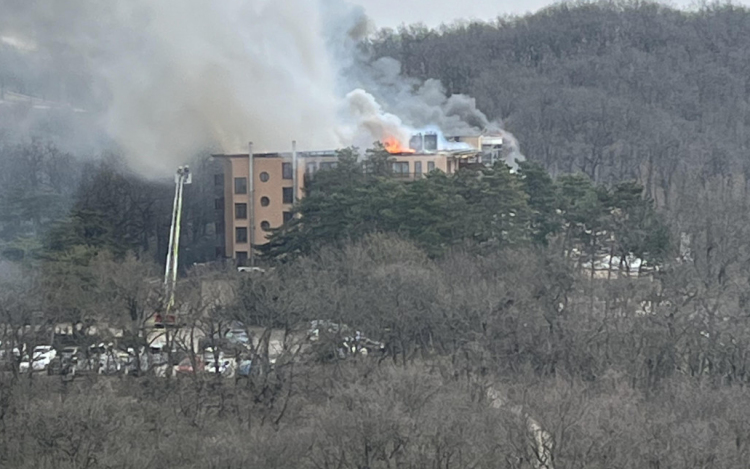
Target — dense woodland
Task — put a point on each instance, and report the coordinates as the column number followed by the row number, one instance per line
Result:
column 634, row 120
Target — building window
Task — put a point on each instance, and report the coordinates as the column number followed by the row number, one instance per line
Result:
column 400, row 168
column 418, row 168
column 265, row 226
column 288, row 195
column 240, row 234
column 329, row 165
column 288, row 217
column 286, row 170
column 430, row 166
column 240, row 211
column 264, row 201
column 218, row 180
column 264, row 177
column 310, row 168
column 241, row 257
column 240, row 185
column 219, row 203
column 219, row 252
column 219, row 228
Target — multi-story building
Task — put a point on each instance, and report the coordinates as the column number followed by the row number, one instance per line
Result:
column 258, row 197
column 252, row 199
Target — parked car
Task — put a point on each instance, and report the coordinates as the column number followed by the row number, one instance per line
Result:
column 238, row 337
column 69, row 353
column 66, row 362
column 186, row 365
column 212, row 360
column 259, row 270
column 244, row 368
column 224, row 365
column 348, row 340
column 41, row 357
column 109, row 363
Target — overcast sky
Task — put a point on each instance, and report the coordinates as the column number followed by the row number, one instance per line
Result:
column 391, row 13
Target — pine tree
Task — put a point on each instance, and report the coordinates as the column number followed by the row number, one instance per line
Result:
column 542, row 200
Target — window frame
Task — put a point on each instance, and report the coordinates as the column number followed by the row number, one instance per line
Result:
column 237, row 214
column 237, row 231
column 402, row 165
column 236, row 188
column 287, row 171
column 241, row 257
column 287, row 191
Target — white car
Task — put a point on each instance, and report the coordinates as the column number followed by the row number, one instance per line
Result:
column 225, row 365
column 40, row 359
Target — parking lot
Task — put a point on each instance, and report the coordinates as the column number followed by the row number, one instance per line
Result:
column 175, row 351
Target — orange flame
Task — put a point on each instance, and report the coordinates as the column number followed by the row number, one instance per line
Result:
column 393, row 146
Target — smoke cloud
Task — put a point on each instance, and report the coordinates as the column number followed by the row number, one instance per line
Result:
column 163, row 80
column 167, row 78
column 414, row 106
column 371, row 122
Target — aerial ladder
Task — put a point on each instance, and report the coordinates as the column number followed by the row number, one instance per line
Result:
column 181, row 178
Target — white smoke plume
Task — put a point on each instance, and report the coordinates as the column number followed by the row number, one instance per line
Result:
column 165, row 79
column 369, row 122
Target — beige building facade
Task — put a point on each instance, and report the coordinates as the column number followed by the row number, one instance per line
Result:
column 258, row 198
column 258, row 193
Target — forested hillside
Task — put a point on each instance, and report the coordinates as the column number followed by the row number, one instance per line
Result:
column 615, row 90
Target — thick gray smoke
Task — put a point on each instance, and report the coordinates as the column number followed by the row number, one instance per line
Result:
column 422, row 104
column 169, row 77
column 420, row 107
column 165, row 79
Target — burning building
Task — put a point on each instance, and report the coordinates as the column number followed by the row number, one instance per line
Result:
column 255, row 195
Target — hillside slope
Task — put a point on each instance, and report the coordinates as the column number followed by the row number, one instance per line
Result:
column 616, row 90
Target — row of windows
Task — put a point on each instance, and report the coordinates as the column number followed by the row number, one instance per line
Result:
column 240, row 211
column 240, row 183
column 402, row 167
column 240, row 187
column 310, row 168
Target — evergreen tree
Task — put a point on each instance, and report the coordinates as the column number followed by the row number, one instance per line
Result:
column 432, row 214
column 637, row 229
column 542, row 199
